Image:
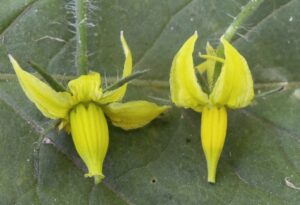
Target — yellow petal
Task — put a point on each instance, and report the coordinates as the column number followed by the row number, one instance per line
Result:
column 213, row 133
column 118, row 94
column 185, row 90
column 133, row 114
column 86, row 87
column 90, row 135
column 51, row 103
column 234, row 86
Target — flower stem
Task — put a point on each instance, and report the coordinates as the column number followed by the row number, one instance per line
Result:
column 81, row 58
column 246, row 12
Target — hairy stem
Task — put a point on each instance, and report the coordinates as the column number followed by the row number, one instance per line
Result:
column 246, row 12
column 81, row 58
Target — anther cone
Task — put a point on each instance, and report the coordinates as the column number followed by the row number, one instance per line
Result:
column 213, row 133
column 90, row 136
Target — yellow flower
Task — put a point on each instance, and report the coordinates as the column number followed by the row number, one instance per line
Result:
column 233, row 89
column 83, row 107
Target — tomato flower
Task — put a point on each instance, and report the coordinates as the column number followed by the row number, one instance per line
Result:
column 232, row 89
column 83, row 107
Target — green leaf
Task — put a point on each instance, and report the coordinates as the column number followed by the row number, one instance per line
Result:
column 162, row 163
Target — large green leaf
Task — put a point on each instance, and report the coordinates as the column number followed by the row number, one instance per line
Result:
column 162, row 163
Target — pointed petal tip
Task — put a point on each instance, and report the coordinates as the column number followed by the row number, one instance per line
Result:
column 193, row 38
column 124, row 44
column 14, row 63
column 223, row 40
column 165, row 107
column 11, row 58
column 122, row 34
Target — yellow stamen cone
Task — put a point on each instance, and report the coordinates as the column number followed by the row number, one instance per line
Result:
column 213, row 133
column 90, row 135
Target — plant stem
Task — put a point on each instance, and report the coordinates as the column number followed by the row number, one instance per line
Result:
column 246, row 12
column 81, row 58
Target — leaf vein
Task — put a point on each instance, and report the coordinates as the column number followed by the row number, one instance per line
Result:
column 161, row 31
column 23, row 12
column 10, row 103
